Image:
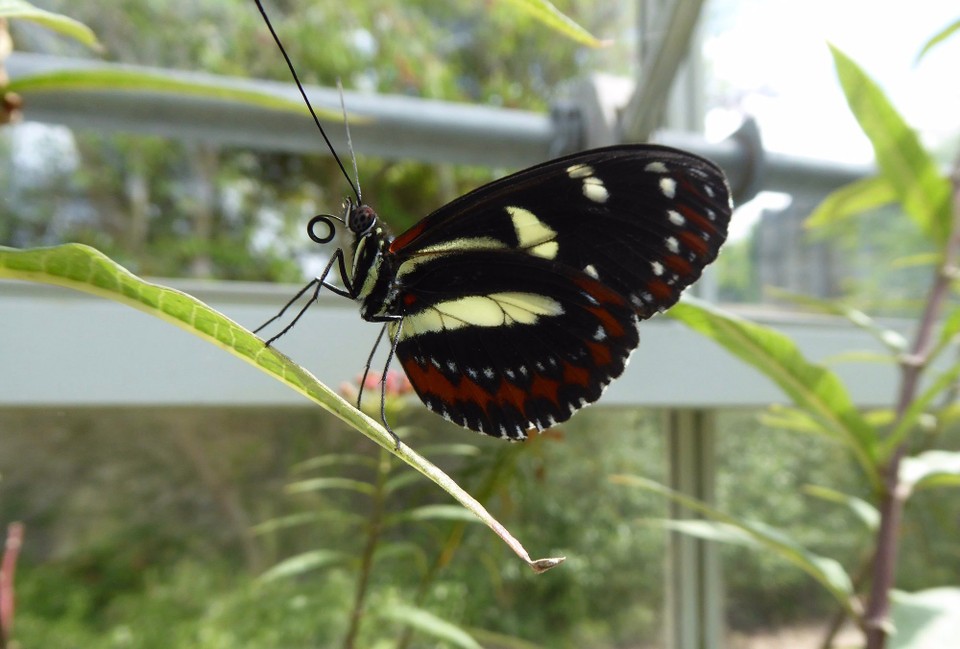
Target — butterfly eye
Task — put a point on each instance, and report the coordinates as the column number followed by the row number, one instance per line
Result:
column 361, row 219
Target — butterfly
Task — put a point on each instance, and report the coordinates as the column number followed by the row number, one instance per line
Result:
column 515, row 305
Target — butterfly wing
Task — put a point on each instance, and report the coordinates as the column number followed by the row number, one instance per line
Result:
column 520, row 300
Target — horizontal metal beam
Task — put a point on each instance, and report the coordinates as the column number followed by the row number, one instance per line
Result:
column 71, row 349
column 395, row 127
column 389, row 126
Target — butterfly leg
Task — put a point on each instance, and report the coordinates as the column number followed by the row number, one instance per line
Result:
column 383, row 380
column 366, row 368
column 316, row 284
column 395, row 340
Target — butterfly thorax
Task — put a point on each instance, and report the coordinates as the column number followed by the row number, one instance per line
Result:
column 371, row 274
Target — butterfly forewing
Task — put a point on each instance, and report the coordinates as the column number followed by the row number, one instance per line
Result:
column 520, row 300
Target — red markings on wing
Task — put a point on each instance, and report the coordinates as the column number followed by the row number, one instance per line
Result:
column 407, row 237
column 678, row 265
column 573, row 374
column 600, row 353
column 695, row 242
column 427, row 379
column 660, row 289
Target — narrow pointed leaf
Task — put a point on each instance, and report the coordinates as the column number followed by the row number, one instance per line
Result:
column 434, row 513
column 322, row 484
column 795, row 419
column 939, row 37
column 556, row 20
column 918, row 407
column 306, row 518
column 57, row 22
column 851, row 200
column 334, row 459
column 912, row 173
column 139, row 80
column 812, row 387
column 889, row 338
column 82, row 268
column 729, row 529
column 867, row 513
column 301, row 563
column 429, row 624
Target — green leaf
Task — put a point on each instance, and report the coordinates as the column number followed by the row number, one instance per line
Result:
column 851, row 200
column 67, row 26
column 321, row 484
column 931, row 469
column 812, row 387
column 889, row 338
column 549, row 15
column 429, row 624
column 434, row 513
column 918, row 407
column 867, row 513
column 334, row 459
column 143, row 81
column 795, row 419
column 301, row 563
column 938, row 38
column 914, row 176
column 948, row 332
column 929, row 619
column 729, row 529
column 305, row 518
column 84, row 269
column 400, row 481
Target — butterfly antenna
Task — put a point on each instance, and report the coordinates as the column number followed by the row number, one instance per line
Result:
column 306, row 100
column 346, row 127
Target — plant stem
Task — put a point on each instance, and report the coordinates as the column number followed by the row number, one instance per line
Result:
column 876, row 621
column 374, row 530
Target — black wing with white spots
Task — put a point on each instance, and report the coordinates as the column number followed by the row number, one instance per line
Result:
column 520, row 300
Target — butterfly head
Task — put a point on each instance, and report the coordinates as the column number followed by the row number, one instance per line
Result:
column 360, row 219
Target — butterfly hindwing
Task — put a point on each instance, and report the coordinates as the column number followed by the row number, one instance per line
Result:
column 501, row 341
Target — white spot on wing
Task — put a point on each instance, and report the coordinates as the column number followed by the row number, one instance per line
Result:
column 590, row 270
column 675, row 217
column 579, row 171
column 656, row 167
column 594, row 190
column 669, row 187
column 657, row 268
column 533, row 234
column 672, row 244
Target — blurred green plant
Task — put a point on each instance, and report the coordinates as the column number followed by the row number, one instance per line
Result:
column 379, row 527
column 894, row 449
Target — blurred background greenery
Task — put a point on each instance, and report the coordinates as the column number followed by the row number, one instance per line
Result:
column 139, row 522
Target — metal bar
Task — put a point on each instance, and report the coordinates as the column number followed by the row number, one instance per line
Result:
column 694, row 583
column 397, row 127
column 667, row 371
column 393, row 126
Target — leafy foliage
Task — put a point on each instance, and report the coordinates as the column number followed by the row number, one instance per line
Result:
column 882, row 445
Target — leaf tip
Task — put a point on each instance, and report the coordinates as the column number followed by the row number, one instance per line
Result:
column 540, row 566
